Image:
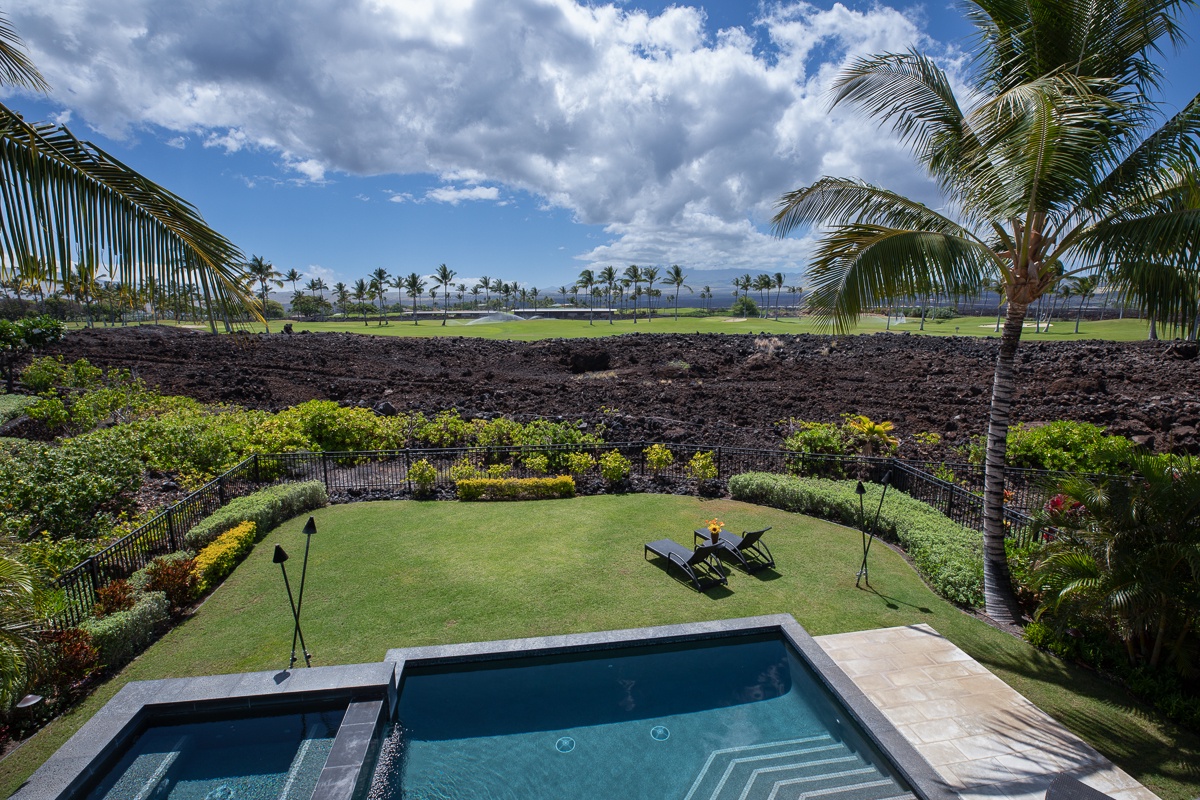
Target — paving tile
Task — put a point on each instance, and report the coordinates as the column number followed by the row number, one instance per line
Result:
column 905, row 715
column 939, row 730
column 939, row 753
column 984, row 746
column 977, row 772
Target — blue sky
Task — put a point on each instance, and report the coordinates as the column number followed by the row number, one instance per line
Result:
column 519, row 139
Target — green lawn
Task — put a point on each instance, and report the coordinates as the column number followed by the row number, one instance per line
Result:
column 391, row 574
column 531, row 330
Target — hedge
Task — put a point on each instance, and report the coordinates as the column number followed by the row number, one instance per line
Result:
column 266, row 509
column 948, row 555
column 516, row 488
column 120, row 637
column 217, row 560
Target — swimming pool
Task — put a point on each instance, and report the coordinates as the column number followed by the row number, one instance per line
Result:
column 278, row 756
column 713, row 711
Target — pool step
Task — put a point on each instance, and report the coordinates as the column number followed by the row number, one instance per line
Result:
column 812, row 767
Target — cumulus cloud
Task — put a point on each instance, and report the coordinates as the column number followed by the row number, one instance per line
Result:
column 455, row 195
column 675, row 138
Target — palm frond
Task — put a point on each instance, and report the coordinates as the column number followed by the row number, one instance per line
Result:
column 859, row 265
column 59, row 194
column 839, row 201
column 15, row 67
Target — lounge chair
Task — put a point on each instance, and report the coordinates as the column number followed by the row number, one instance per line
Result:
column 701, row 565
column 748, row 544
column 1064, row 787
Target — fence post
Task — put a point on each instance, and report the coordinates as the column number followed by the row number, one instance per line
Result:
column 94, row 571
column 325, row 469
column 171, row 540
column 719, row 471
column 257, row 472
column 221, row 490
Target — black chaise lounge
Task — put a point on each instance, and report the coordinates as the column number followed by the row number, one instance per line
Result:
column 1064, row 787
column 747, row 549
column 701, row 565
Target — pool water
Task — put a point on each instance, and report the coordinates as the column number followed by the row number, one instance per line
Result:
column 276, row 757
column 741, row 717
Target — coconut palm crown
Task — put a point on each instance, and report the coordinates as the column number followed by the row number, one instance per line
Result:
column 62, row 196
column 1055, row 163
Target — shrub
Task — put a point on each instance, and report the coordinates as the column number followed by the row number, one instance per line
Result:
column 701, row 467
column 516, row 488
column 122, row 636
column 744, row 307
column 538, row 462
column 266, row 508
column 949, row 556
column 140, row 580
column 463, row 469
column 114, row 596
column 1068, row 446
column 68, row 657
column 658, row 457
column 218, row 559
column 614, row 467
column 424, row 475
column 175, row 578
column 826, row 438
column 13, row 406
column 579, row 463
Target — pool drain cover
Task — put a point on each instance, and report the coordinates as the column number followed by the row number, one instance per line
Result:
column 565, row 745
column 659, row 734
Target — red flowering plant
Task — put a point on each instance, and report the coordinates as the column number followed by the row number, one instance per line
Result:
column 1059, row 509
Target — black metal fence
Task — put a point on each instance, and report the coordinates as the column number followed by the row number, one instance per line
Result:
column 957, row 493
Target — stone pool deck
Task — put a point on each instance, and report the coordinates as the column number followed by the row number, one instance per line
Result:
column 984, row 739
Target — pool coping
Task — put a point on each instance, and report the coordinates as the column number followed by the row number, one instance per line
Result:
column 926, row 782
column 367, row 688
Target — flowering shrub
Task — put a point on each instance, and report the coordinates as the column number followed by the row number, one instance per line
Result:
column 579, row 463
column 614, row 467
column 658, row 457
column 516, row 488
column 113, row 597
column 216, row 561
column 701, row 467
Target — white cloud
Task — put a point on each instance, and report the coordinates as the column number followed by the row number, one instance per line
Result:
column 178, row 142
column 677, row 140
column 454, row 196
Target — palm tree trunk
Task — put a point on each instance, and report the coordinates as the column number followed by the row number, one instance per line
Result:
column 999, row 601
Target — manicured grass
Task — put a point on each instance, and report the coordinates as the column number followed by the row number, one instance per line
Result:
column 532, row 330
column 394, row 574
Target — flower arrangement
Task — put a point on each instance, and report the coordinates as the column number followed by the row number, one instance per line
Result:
column 714, row 529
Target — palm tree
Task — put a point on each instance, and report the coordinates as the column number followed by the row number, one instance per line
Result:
column 1125, row 552
column 361, row 291
column 1055, row 161
column 676, row 278
column 763, row 282
column 498, row 287
column 443, row 276
column 63, row 194
column 778, row 278
column 380, row 281
column 475, row 290
column 265, row 273
column 292, row 276
column 650, row 275
column 608, row 276
column 341, row 293
column 460, row 291
column 633, row 274
column 414, row 287
column 706, row 294
column 1085, row 288
column 587, row 281
column 485, row 284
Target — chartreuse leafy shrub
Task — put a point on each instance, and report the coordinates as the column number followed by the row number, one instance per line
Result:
column 423, row 475
column 949, row 556
column 658, row 457
column 1069, row 446
column 121, row 636
column 824, row 438
column 537, row 462
column 516, row 488
column 701, row 467
column 579, row 463
column 218, row 559
column 266, row 508
column 614, row 467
